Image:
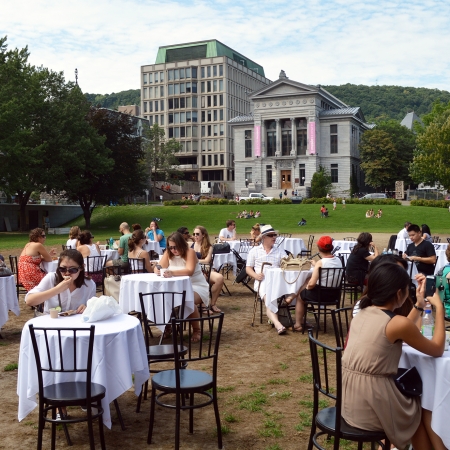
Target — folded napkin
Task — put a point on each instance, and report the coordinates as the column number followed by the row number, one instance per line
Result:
column 100, row 308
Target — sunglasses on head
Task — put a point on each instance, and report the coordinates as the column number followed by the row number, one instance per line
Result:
column 172, row 247
column 71, row 270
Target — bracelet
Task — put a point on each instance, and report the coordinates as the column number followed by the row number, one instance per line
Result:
column 419, row 308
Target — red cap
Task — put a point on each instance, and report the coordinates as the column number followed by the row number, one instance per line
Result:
column 325, row 242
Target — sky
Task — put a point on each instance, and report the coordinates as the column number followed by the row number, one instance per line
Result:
column 382, row 42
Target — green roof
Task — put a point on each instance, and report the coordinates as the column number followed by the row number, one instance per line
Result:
column 204, row 49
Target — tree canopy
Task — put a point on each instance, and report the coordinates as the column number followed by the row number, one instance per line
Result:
column 320, row 183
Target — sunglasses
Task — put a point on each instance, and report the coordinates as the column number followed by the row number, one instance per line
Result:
column 186, row 232
column 71, row 270
column 43, row 235
column 196, row 234
column 172, row 247
column 271, row 235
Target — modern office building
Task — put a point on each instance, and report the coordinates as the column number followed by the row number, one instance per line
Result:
column 193, row 90
column 295, row 128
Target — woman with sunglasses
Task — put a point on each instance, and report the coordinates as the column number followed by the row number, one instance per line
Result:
column 180, row 260
column 203, row 249
column 30, row 273
column 68, row 287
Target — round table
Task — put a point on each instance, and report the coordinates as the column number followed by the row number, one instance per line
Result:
column 436, row 386
column 293, row 245
column 132, row 285
column 278, row 284
column 110, row 254
column 119, row 352
column 152, row 245
column 221, row 259
column 8, row 298
column 402, row 244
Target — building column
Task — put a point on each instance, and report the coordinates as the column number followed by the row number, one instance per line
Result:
column 293, row 137
column 263, row 139
column 278, row 140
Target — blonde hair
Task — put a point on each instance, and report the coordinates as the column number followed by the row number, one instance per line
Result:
column 205, row 244
column 74, row 232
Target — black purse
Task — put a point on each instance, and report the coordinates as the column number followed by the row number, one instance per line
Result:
column 408, row 382
column 223, row 247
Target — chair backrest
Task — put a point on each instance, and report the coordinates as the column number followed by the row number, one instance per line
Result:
column 448, row 240
column 341, row 323
column 335, row 249
column 279, row 240
column 137, row 265
column 240, row 262
column 310, row 242
column 327, row 376
column 95, row 264
column 350, row 239
column 285, row 235
column 330, row 284
column 436, row 239
column 158, row 308
column 14, row 267
column 59, row 351
column 66, row 247
column 246, row 245
column 207, row 347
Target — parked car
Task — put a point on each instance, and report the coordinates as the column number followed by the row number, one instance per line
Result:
column 375, row 196
column 256, row 195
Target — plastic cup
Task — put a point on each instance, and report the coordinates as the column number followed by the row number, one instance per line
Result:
column 54, row 313
column 162, row 271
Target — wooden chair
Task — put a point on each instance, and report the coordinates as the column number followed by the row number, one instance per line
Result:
column 15, row 270
column 188, row 383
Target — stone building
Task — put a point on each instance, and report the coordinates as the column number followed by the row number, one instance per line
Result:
column 292, row 130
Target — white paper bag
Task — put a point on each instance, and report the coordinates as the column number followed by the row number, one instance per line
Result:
column 100, row 308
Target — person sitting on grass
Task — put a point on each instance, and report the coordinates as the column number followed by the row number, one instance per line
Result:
column 302, row 222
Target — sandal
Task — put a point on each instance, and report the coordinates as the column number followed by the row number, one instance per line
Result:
column 281, row 330
column 196, row 335
column 214, row 309
column 300, row 329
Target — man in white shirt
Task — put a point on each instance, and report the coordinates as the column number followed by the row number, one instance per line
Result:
column 266, row 252
column 403, row 233
column 228, row 233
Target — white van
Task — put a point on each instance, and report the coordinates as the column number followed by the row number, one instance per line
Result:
column 375, row 195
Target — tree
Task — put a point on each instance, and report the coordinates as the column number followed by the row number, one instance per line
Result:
column 431, row 163
column 160, row 154
column 320, row 183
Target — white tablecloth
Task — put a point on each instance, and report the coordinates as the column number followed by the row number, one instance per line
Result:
column 402, row 244
column 131, row 285
column 50, row 266
column 293, row 245
column 8, row 298
column 111, row 254
column 235, row 245
column 345, row 245
column 152, row 245
column 221, row 259
column 436, row 387
column 441, row 246
column 276, row 286
column 119, row 352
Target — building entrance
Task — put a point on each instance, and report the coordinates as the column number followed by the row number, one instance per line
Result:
column 286, row 179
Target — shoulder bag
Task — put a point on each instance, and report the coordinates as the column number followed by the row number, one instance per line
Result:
column 289, row 263
column 408, row 382
column 223, row 247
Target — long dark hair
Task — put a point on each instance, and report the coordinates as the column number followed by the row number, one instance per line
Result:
column 383, row 284
column 135, row 238
column 363, row 241
column 78, row 258
column 180, row 243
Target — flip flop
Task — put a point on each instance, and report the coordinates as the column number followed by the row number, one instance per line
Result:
column 281, row 330
column 215, row 309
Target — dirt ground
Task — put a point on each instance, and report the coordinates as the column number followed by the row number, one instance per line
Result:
column 264, row 381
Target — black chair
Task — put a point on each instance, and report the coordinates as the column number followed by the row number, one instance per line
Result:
column 183, row 382
column 137, row 265
column 448, row 240
column 94, row 269
column 242, row 276
column 66, row 247
column 341, row 323
column 327, row 367
column 285, row 235
column 436, row 239
column 259, row 300
column 328, row 295
column 15, row 270
column 171, row 304
column 335, row 249
column 60, row 356
column 352, row 239
column 279, row 240
column 308, row 251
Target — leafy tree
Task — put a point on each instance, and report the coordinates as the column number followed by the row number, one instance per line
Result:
column 431, row 163
column 160, row 154
column 320, row 183
column 427, row 119
column 113, row 100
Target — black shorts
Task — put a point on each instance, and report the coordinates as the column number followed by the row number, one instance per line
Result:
column 312, row 295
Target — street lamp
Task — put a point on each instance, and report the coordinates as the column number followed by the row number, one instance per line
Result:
column 146, row 193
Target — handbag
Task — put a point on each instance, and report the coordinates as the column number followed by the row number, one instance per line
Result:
column 4, row 271
column 112, row 286
column 223, row 247
column 289, row 263
column 409, row 382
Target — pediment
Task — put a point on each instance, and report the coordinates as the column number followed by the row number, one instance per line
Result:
column 283, row 88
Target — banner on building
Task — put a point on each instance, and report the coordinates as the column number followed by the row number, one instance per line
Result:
column 312, row 137
column 257, row 131
column 399, row 190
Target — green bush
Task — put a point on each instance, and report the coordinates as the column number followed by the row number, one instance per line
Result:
column 254, row 201
column 431, row 203
column 180, row 202
column 349, row 201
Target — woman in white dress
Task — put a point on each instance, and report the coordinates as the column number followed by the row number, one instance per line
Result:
column 135, row 250
column 87, row 248
column 74, row 234
column 180, row 260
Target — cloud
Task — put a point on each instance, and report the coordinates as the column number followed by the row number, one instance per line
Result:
column 316, row 41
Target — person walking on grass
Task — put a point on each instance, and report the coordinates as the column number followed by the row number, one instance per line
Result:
column 343, row 203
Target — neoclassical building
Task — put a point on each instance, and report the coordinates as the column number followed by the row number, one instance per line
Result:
column 293, row 129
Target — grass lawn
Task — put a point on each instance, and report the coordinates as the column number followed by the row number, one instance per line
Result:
column 106, row 219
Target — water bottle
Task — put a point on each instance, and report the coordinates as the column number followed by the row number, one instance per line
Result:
column 389, row 252
column 428, row 322
column 395, row 252
column 384, row 251
column 111, row 243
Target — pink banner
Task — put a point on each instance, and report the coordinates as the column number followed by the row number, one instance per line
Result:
column 257, row 140
column 312, row 137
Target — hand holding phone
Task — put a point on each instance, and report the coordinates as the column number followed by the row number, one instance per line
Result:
column 430, row 286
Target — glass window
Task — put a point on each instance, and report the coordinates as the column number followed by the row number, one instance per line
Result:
column 182, row 132
column 269, row 176
column 145, row 107
column 170, row 132
column 150, row 104
column 221, row 129
column 194, row 146
column 176, row 132
column 150, row 119
column 209, row 116
column 188, row 87
column 188, row 146
column 194, row 102
column 161, row 91
column 302, row 174
column 194, row 72
column 209, row 130
column 188, row 116
column 209, row 101
column 222, row 159
column 221, row 114
column 209, row 145
column 215, row 85
column 220, row 85
column 203, row 101
column 286, row 142
column 188, row 102
column 202, row 72
column 216, row 130
column 176, row 118
column 170, row 118
column 248, row 174
column 203, row 160
column 302, row 141
column 170, row 89
column 150, row 78
column 248, row 143
column 182, row 74
column 176, row 74
column 161, row 76
column 333, row 139
column 156, row 77
column 188, row 132
column 202, row 84
column 221, row 99
column 209, row 160
column 156, row 105
column 156, row 92
column 271, row 143
column 334, row 173
column 194, row 87
column 161, row 121
column 222, row 145
column 194, row 131
column 203, row 116
column 188, row 72
column 216, row 145
column 150, row 92
column 144, row 78
column 216, row 157
column 209, row 71
column 214, row 71
column 161, row 105
column 215, row 115
column 194, row 116
column 145, row 92
column 182, row 117
column 182, row 88
column 208, row 86
column 176, row 103
column 221, row 70
column 176, row 90
column 215, row 100
column 203, row 146
column 156, row 119
column 170, row 75
column 203, row 131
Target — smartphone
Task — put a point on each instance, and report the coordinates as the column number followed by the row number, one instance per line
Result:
column 430, row 286
column 158, row 267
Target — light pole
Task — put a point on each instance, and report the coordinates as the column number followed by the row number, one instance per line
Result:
column 146, row 193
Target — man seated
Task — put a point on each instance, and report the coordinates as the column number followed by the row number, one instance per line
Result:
column 228, row 233
column 266, row 252
column 185, row 232
column 420, row 251
column 124, row 229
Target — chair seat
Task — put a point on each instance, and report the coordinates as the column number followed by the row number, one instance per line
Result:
column 190, row 380
column 164, row 351
column 326, row 418
column 72, row 393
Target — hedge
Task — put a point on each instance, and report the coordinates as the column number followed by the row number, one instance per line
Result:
column 431, row 203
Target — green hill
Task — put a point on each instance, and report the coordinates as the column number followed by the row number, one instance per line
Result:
column 390, row 102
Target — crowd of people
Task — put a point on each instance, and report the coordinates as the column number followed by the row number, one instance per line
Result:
column 371, row 213
column 248, row 214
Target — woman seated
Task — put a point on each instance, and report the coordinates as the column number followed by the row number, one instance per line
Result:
column 368, row 216
column 154, row 233
column 426, row 233
column 88, row 248
column 370, row 398
column 255, row 233
column 74, row 234
column 68, row 288
column 203, row 249
column 257, row 214
column 180, row 260
column 30, row 272
column 135, row 250
column 358, row 261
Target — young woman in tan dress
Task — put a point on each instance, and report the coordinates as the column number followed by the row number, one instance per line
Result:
column 371, row 400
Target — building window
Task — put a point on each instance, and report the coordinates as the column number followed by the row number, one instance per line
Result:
column 286, row 139
column 161, row 76
column 271, row 138
column 209, row 160
column 222, row 159
column 203, row 160
column 334, row 173
column 220, row 70
column 145, row 107
column 150, row 78
column 302, row 137
column 216, row 160
column 333, row 139
column 302, row 174
column 144, row 77
column 248, row 175
column 161, row 121
column 269, row 176
column 248, row 143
